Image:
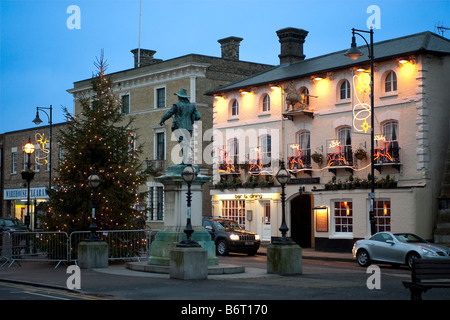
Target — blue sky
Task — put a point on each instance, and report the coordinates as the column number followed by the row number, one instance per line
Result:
column 41, row 57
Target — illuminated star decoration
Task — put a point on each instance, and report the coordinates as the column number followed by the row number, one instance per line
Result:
column 365, row 126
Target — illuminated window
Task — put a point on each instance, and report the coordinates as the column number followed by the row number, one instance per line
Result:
column 382, row 212
column 345, row 90
column 389, row 148
column 343, row 216
column 390, row 83
column 345, row 138
column 235, row 210
column 266, row 103
column 233, row 149
column 305, row 96
column 303, row 139
column 234, row 109
column 266, row 150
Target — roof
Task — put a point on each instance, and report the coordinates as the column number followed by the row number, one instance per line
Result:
column 416, row 43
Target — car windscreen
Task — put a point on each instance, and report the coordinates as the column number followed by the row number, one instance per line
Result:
column 409, row 238
column 9, row 223
column 226, row 224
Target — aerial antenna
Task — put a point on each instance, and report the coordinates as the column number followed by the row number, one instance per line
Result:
column 440, row 28
column 139, row 45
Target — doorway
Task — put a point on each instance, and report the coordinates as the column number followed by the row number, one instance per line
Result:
column 301, row 220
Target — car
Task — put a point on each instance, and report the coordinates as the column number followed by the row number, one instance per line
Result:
column 396, row 249
column 228, row 236
column 9, row 224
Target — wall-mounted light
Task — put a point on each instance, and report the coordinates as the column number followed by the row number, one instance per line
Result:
column 244, row 92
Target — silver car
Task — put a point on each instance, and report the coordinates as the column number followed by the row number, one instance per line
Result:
column 396, row 249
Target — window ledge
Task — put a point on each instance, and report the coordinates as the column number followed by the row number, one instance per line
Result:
column 343, row 102
column 233, row 118
column 390, row 94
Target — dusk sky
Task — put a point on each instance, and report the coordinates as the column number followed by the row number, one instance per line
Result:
column 44, row 50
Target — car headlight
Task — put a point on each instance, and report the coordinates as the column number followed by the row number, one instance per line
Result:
column 257, row 237
column 234, row 237
column 429, row 252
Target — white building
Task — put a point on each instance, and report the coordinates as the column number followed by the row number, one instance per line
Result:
column 321, row 106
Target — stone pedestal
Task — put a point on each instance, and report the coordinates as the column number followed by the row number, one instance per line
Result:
column 92, row 254
column 175, row 217
column 188, row 264
column 284, row 259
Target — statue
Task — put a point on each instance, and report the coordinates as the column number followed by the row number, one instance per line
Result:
column 184, row 114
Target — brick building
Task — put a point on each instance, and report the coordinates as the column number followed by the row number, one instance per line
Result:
column 15, row 160
column 147, row 91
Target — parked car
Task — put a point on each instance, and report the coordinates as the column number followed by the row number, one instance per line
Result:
column 8, row 224
column 230, row 237
column 396, row 249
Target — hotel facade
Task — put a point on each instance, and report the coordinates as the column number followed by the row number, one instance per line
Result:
column 314, row 116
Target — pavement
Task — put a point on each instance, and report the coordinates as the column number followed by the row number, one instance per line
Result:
column 48, row 274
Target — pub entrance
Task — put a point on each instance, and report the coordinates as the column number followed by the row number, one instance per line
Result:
column 301, row 212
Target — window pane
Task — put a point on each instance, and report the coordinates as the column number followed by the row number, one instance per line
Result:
column 161, row 97
column 126, row 104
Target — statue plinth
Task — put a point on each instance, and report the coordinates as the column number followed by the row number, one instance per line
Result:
column 175, row 217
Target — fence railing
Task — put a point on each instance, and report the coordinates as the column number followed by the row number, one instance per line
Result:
column 61, row 247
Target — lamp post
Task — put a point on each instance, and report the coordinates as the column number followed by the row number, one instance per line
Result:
column 38, row 121
column 94, row 182
column 282, row 177
column 28, row 175
column 188, row 174
column 354, row 53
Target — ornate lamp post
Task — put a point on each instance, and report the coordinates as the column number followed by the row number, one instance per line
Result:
column 354, row 53
column 38, row 121
column 188, row 174
column 283, row 177
column 28, row 175
column 94, row 182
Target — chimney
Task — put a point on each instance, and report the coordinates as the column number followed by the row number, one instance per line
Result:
column 230, row 47
column 291, row 40
column 146, row 57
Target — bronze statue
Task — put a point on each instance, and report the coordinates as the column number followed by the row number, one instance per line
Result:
column 184, row 114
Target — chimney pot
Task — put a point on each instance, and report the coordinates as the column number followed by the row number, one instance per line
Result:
column 291, row 40
column 230, row 47
column 146, row 57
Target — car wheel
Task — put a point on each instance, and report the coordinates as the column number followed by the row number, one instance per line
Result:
column 222, row 248
column 410, row 258
column 363, row 258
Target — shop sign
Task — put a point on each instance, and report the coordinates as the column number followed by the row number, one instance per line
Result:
column 251, row 196
column 21, row 193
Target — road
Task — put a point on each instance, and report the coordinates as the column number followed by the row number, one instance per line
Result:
column 321, row 280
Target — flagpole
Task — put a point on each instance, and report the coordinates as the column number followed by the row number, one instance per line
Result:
column 139, row 47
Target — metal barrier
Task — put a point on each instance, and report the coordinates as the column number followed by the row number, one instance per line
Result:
column 34, row 246
column 123, row 244
column 59, row 247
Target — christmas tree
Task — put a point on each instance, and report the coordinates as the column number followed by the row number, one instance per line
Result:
column 101, row 139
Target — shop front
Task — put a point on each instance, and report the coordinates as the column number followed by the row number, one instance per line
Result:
column 16, row 204
column 255, row 211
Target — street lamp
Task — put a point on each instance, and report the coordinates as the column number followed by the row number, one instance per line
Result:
column 354, row 53
column 188, row 174
column 93, row 182
column 282, row 177
column 38, row 121
column 28, row 175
